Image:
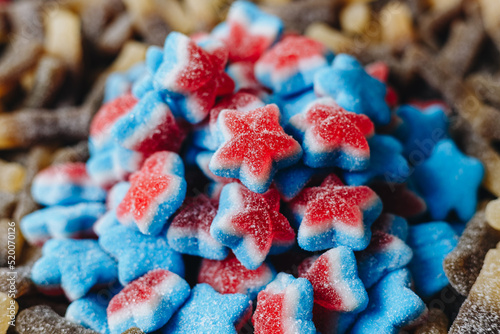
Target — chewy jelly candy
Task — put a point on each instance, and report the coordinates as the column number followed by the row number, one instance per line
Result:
column 285, row 306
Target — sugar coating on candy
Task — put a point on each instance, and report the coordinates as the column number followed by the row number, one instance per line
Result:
column 61, row 222
column 333, row 214
column 189, row 232
column 148, row 302
column 439, row 176
column 463, row 264
column 335, row 281
column 480, row 311
column 431, row 242
column 384, row 254
column 386, row 163
column 206, row 312
column 137, row 253
column 90, row 311
column 331, row 136
column 254, row 147
column 347, row 82
column 398, row 199
column 10, row 308
column 243, row 76
column 75, row 266
column 393, row 225
column 248, row 31
column 421, row 130
column 156, row 192
column 65, row 184
column 251, row 224
column 291, row 180
column 106, row 117
column 380, row 71
column 113, row 165
column 41, row 319
column 436, row 323
column 149, row 127
column 285, row 306
column 289, row 66
column 392, row 305
column 120, row 83
column 230, row 276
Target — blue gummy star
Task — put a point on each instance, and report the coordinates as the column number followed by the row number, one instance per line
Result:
column 119, row 83
column 347, row 82
column 421, row 130
column 449, row 180
column 138, row 253
column 74, row 265
column 431, row 242
column 90, row 311
column 386, row 163
column 392, row 305
column 208, row 312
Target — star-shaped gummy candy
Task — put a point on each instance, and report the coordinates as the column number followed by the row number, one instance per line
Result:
column 137, row 253
column 157, row 190
column 347, row 82
column 285, row 306
column 449, row 180
column 251, row 224
column 208, row 312
column 392, row 305
column 335, row 281
column 189, row 232
column 230, row 276
column 333, row 214
column 148, row 302
column 75, row 266
column 254, row 147
column 331, row 136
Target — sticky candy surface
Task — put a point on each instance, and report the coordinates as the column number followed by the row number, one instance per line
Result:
column 149, row 127
column 248, row 31
column 392, row 305
column 230, row 276
column 75, row 266
column 331, row 136
column 254, row 147
column 353, row 89
column 335, row 281
column 189, row 232
column 285, row 306
column 386, row 163
column 431, row 243
column 156, row 192
column 449, row 180
column 148, row 302
column 138, row 254
column 251, row 224
column 61, row 222
column 333, row 214
column 289, row 66
column 65, row 184
column 218, row 313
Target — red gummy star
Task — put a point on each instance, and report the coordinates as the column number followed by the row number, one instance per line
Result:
column 333, row 207
column 230, row 276
column 255, row 144
column 328, row 128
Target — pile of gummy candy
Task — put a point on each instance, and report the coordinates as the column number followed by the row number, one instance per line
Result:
column 314, row 170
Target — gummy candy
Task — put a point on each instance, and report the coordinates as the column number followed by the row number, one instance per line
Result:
column 251, row 224
column 230, row 276
column 285, row 306
column 189, row 232
column 334, row 278
column 333, row 214
column 65, row 184
column 156, row 192
column 148, row 302
column 331, row 136
column 207, row 312
column 254, row 147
